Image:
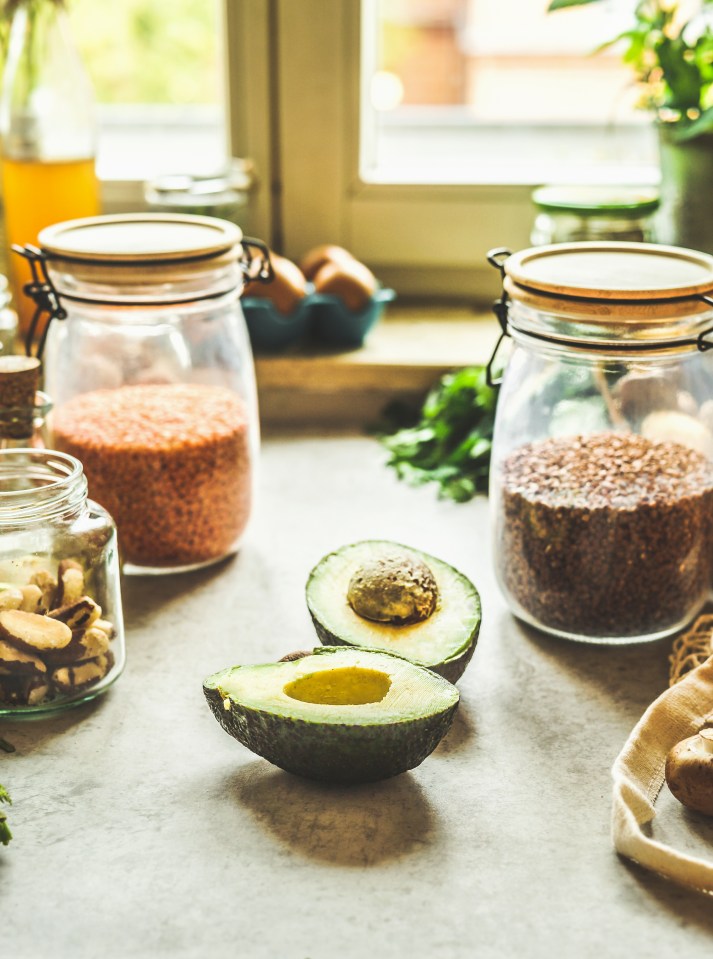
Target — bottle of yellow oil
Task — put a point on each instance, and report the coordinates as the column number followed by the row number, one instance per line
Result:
column 48, row 131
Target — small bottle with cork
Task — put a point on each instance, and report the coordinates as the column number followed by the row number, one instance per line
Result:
column 23, row 407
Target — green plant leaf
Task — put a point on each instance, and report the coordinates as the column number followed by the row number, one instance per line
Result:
column 561, row 4
column 450, row 445
column 5, row 834
column 681, row 74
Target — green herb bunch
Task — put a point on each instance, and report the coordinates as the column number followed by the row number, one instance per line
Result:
column 672, row 59
column 450, row 440
column 5, row 834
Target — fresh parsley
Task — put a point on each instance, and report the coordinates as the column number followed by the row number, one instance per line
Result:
column 449, row 440
column 5, row 834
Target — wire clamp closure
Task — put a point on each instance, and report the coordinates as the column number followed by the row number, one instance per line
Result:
column 256, row 268
column 702, row 343
column 497, row 258
column 42, row 292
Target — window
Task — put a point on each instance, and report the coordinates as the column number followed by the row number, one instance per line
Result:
column 421, row 185
column 157, row 71
column 410, row 131
column 463, row 90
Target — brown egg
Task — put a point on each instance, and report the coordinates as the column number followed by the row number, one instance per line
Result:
column 287, row 288
column 353, row 282
column 314, row 259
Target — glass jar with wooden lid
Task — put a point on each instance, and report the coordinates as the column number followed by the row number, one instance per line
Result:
column 578, row 213
column 149, row 365
column 602, row 465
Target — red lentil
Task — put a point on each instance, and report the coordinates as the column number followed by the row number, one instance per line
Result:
column 171, row 463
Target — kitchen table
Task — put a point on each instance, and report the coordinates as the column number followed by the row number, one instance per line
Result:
column 143, row 830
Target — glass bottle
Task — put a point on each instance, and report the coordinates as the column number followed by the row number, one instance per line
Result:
column 23, row 408
column 48, row 133
column 8, row 319
column 61, row 627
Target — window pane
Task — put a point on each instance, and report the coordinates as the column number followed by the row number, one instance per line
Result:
column 157, row 72
column 453, row 90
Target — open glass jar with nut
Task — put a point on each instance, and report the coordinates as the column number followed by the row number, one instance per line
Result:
column 61, row 627
column 602, row 464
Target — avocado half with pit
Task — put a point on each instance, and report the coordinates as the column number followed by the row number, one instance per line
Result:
column 383, row 595
column 336, row 714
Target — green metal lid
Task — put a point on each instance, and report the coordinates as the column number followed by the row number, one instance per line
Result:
column 597, row 200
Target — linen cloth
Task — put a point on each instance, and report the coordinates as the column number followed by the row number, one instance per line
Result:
column 638, row 774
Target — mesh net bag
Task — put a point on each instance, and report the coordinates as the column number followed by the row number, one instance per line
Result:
column 691, row 649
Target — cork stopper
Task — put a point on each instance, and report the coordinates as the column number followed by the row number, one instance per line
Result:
column 19, row 379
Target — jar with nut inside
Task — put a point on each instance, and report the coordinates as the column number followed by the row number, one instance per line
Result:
column 61, row 627
column 601, row 484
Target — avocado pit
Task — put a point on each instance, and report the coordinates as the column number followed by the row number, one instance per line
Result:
column 397, row 588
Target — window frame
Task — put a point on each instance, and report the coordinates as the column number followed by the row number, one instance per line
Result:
column 293, row 95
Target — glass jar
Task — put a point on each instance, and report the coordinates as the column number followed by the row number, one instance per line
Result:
column 224, row 194
column 574, row 213
column 61, row 627
column 152, row 378
column 602, row 462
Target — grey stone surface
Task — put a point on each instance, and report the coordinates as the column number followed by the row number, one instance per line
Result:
column 142, row 830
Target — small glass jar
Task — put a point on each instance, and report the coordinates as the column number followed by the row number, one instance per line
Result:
column 61, row 626
column 602, row 462
column 151, row 374
column 577, row 213
column 224, row 194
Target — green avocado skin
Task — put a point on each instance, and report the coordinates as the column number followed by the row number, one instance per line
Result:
column 332, row 752
column 452, row 669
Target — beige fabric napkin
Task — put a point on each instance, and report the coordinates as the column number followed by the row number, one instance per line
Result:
column 639, row 775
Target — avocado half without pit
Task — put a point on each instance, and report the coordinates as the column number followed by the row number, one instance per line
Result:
column 337, row 714
column 382, row 595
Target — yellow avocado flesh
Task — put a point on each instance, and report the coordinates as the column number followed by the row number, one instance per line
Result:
column 346, row 686
column 447, row 632
column 338, row 686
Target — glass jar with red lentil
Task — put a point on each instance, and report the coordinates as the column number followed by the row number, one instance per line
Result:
column 151, row 373
column 601, row 483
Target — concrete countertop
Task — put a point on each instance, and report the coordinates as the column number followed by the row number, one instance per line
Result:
column 143, row 830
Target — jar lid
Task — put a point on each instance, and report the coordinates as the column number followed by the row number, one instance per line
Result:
column 596, row 200
column 140, row 238
column 143, row 257
column 608, row 294
column 612, row 271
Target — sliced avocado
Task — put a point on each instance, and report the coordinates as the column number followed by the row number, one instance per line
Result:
column 336, row 714
column 382, row 595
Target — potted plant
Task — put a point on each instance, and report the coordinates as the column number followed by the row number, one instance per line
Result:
column 671, row 55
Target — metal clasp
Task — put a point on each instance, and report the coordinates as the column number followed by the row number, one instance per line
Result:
column 41, row 291
column 256, row 268
column 497, row 258
column 701, row 341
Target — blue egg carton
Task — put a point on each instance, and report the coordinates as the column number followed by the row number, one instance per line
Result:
column 321, row 315
column 272, row 330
